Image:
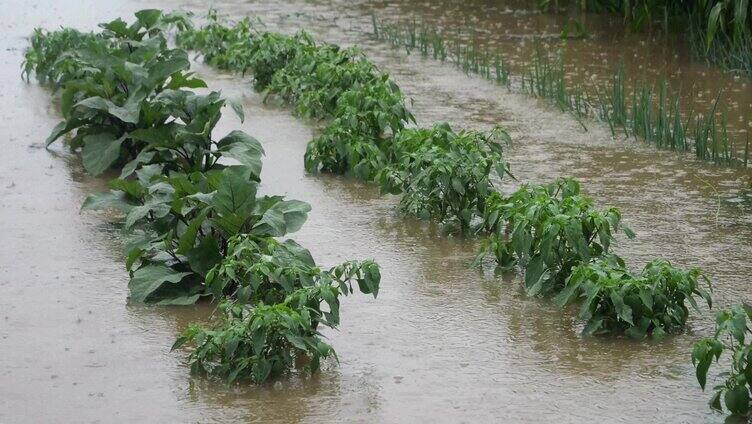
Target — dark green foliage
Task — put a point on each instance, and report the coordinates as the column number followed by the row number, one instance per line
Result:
column 257, row 343
column 114, row 84
column 615, row 300
column 272, row 323
column 733, row 334
column 442, row 174
column 204, row 231
column 259, row 269
column 548, row 230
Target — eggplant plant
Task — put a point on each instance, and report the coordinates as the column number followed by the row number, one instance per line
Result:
column 204, row 231
column 614, row 300
column 733, row 335
column 109, row 83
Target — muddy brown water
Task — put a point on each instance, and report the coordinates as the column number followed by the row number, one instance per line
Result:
column 442, row 343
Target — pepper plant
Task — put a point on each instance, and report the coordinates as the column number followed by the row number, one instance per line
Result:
column 733, row 335
column 614, row 300
column 443, row 174
column 548, row 230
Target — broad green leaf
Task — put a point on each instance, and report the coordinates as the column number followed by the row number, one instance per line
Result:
column 188, row 239
column 737, row 400
column 100, row 152
column 129, row 112
column 282, row 218
column 372, row 278
column 148, row 279
column 576, row 238
column 132, row 188
column 187, row 80
column 109, row 199
column 623, row 311
column 236, row 194
column 158, row 209
column 57, row 132
column 143, row 157
column 204, row 256
column 149, row 17
column 243, row 148
column 565, row 296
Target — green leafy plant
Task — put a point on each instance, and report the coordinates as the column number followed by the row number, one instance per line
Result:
column 548, row 230
column 264, row 270
column 193, row 199
column 186, row 203
column 256, row 343
column 615, row 300
column 110, row 82
column 272, row 324
column 444, row 174
column 733, row 335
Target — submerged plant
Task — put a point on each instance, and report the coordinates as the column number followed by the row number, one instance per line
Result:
column 263, row 270
column 256, row 343
column 733, row 335
column 548, row 230
column 615, row 300
column 444, row 175
column 272, row 324
column 203, row 229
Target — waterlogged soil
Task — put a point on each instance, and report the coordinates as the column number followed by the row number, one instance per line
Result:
column 442, row 343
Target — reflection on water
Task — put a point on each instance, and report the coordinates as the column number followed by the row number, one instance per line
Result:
column 443, row 342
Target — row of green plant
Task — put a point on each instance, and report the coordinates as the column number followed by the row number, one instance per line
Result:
column 653, row 113
column 555, row 234
column 562, row 243
column 440, row 173
column 205, row 233
column 190, row 200
column 718, row 30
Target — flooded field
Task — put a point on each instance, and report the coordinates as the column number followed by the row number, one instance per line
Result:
column 443, row 342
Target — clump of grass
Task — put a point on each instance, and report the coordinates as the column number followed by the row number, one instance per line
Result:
column 431, row 43
column 718, row 30
column 652, row 113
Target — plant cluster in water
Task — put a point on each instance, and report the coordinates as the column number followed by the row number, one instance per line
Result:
column 202, row 229
column 206, row 233
column 441, row 174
